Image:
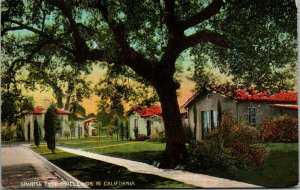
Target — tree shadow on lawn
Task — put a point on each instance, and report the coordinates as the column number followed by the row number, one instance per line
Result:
column 279, row 170
column 105, row 175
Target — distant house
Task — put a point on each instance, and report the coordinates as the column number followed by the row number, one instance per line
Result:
column 244, row 106
column 144, row 119
column 88, row 128
column 38, row 113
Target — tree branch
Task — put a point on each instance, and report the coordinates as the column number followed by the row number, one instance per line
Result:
column 204, row 15
column 206, row 36
column 170, row 17
column 80, row 44
column 128, row 56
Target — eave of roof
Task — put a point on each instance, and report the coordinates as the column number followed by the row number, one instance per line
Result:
column 285, row 106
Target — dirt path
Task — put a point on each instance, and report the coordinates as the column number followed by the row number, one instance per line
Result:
column 22, row 169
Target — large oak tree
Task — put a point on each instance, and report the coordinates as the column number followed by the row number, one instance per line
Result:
column 146, row 36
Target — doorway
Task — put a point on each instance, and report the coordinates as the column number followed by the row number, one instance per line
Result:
column 148, row 128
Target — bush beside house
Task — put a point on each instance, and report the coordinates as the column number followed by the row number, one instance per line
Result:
column 227, row 147
column 280, row 129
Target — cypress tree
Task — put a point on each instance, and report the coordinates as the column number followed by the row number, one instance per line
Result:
column 36, row 133
column 51, row 126
column 219, row 113
column 195, row 121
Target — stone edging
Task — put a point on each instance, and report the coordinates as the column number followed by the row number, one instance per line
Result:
column 63, row 174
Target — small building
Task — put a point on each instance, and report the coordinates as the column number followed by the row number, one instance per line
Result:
column 251, row 107
column 89, row 128
column 144, row 119
column 38, row 113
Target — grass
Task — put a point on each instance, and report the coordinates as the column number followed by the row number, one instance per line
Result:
column 104, row 175
column 279, row 170
column 145, row 152
column 88, row 142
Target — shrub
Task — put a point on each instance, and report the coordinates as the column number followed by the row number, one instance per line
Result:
column 210, row 154
column 188, row 134
column 281, row 129
column 158, row 136
column 8, row 133
column 228, row 147
column 141, row 137
column 232, row 132
column 246, row 154
column 67, row 133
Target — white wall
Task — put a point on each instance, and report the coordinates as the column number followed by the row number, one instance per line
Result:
column 156, row 122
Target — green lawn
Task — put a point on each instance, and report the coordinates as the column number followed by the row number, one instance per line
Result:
column 88, row 142
column 89, row 170
column 279, row 170
column 145, row 152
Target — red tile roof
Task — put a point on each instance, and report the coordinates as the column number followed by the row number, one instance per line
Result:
column 254, row 96
column 60, row 111
column 285, row 106
column 38, row 110
column 41, row 110
column 146, row 111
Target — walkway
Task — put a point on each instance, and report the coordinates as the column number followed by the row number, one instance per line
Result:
column 21, row 168
column 198, row 180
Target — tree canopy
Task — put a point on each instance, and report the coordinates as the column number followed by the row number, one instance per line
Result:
column 251, row 39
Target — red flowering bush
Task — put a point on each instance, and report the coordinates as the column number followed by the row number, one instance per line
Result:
column 281, row 129
column 229, row 146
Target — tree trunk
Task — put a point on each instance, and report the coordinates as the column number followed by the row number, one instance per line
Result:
column 59, row 99
column 175, row 152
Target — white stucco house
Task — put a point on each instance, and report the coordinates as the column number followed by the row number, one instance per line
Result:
column 245, row 106
column 144, row 119
column 27, row 122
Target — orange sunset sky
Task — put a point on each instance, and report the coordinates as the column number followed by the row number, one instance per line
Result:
column 90, row 104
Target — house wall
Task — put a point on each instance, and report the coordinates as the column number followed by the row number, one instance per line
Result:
column 26, row 120
column 262, row 110
column 64, row 118
column 239, row 110
column 156, row 122
column 202, row 103
column 78, row 129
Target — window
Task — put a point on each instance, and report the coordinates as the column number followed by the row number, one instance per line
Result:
column 135, row 122
column 215, row 118
column 205, row 122
column 251, row 115
column 208, row 97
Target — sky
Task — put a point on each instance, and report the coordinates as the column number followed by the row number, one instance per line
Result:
column 90, row 104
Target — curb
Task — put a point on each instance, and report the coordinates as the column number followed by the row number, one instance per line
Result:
column 72, row 181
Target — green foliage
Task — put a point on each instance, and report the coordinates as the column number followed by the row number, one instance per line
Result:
column 280, row 129
column 141, row 137
column 7, row 132
column 158, row 135
column 67, row 133
column 36, row 133
column 195, row 121
column 52, row 125
column 188, row 134
column 263, row 36
column 210, row 154
column 229, row 146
